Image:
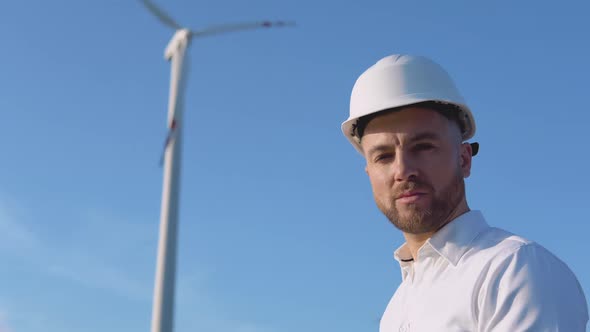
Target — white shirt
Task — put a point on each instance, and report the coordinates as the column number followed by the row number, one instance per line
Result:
column 473, row 277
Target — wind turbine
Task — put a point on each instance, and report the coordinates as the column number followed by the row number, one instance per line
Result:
column 163, row 306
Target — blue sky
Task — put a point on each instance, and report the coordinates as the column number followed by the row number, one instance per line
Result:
column 279, row 231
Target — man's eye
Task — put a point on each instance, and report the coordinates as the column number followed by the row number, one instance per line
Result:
column 423, row 147
column 383, row 157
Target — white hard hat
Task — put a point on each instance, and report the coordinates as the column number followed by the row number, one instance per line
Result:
column 403, row 80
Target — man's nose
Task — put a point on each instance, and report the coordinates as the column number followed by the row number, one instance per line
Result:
column 405, row 167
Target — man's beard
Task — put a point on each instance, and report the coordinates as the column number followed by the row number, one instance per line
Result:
column 417, row 220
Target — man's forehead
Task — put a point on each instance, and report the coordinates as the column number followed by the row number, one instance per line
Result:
column 409, row 121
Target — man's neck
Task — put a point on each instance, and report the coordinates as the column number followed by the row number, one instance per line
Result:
column 416, row 241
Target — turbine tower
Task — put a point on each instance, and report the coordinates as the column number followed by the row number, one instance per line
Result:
column 163, row 305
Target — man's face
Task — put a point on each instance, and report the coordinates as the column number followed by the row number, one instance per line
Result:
column 416, row 164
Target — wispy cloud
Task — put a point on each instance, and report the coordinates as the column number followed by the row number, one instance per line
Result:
column 15, row 236
column 4, row 322
column 81, row 261
column 106, row 252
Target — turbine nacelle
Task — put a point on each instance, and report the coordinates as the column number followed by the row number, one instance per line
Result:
column 180, row 39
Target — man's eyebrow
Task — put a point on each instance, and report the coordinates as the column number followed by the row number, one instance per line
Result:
column 428, row 135
column 378, row 148
column 424, row 136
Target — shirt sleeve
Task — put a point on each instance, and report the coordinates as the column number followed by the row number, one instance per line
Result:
column 531, row 290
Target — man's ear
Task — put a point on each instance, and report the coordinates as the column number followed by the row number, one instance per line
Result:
column 465, row 159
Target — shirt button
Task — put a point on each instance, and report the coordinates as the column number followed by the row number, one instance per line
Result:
column 404, row 328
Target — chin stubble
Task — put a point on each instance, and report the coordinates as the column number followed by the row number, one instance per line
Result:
column 417, row 220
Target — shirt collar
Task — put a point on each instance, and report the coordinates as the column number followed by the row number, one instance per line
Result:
column 451, row 241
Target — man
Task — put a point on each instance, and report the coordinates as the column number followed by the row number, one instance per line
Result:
column 410, row 123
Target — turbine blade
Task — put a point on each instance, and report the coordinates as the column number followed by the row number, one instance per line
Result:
column 213, row 30
column 161, row 15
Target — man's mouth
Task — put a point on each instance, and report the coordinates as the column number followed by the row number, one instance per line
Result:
column 410, row 197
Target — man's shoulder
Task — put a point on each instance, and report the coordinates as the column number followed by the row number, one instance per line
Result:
column 499, row 245
column 517, row 269
column 499, row 249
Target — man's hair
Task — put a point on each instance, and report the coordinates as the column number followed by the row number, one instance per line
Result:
column 449, row 111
